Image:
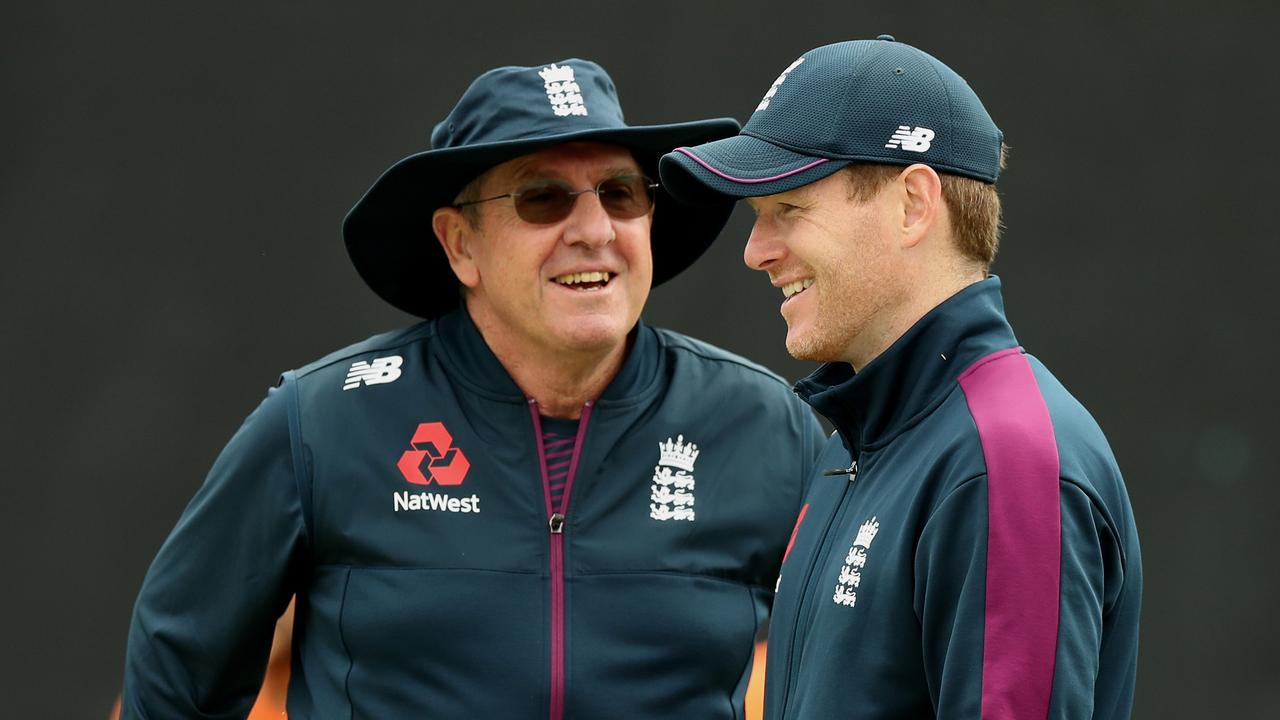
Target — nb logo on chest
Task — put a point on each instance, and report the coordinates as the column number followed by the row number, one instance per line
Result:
column 373, row 372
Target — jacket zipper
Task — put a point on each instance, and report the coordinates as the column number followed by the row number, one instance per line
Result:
column 556, row 518
column 806, row 591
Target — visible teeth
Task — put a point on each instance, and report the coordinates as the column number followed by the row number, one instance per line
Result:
column 582, row 277
column 792, row 288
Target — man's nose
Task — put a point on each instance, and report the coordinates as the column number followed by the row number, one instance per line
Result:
column 589, row 224
column 763, row 249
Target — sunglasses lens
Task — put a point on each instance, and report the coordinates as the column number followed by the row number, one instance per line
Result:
column 544, row 204
column 625, row 197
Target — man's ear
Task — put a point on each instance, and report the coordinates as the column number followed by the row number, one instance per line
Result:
column 455, row 234
column 921, row 203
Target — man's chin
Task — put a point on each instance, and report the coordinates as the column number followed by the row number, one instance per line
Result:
column 593, row 335
column 810, row 347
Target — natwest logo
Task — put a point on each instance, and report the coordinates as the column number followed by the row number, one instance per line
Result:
column 433, row 457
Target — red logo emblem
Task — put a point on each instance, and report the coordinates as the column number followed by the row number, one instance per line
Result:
column 432, row 453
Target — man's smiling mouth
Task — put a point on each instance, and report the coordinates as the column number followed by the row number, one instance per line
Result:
column 799, row 286
column 584, row 280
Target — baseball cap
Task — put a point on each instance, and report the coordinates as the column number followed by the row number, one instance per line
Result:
column 505, row 113
column 877, row 101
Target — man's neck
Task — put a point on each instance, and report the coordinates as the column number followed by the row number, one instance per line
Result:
column 928, row 295
column 561, row 381
column 562, row 384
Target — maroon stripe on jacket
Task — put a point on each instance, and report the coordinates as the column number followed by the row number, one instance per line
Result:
column 558, row 450
column 1024, row 535
column 556, row 560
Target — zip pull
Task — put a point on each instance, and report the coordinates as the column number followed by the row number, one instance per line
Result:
column 556, row 523
column 851, row 471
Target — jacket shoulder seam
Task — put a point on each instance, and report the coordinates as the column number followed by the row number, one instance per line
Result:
column 415, row 335
column 302, row 482
column 687, row 345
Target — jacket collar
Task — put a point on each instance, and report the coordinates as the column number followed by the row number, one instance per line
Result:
column 914, row 375
column 473, row 361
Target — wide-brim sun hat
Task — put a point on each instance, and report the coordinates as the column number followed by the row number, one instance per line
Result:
column 861, row 101
column 506, row 113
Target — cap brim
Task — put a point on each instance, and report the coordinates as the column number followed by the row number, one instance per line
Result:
column 390, row 241
column 739, row 166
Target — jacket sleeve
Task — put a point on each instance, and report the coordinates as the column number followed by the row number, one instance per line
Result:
column 203, row 622
column 1017, row 642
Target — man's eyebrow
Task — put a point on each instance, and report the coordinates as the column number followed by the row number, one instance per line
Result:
column 522, row 170
column 521, row 174
column 619, row 170
column 800, row 194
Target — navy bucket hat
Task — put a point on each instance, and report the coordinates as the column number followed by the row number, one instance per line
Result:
column 506, row 113
column 876, row 101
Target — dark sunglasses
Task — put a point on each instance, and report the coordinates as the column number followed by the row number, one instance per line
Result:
column 549, row 201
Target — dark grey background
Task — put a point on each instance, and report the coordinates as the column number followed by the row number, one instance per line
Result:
column 174, row 174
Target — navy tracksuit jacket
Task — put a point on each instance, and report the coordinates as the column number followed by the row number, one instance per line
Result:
column 397, row 488
column 973, row 554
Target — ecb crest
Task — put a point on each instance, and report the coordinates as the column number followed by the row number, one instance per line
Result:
column 671, row 497
column 850, row 579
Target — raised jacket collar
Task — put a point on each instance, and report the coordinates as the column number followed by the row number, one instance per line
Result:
column 914, row 375
column 472, row 359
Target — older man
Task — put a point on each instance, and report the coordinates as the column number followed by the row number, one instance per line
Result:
column 532, row 505
column 971, row 552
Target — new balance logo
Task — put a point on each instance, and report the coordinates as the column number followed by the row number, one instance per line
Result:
column 375, row 372
column 917, row 140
